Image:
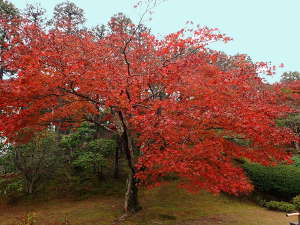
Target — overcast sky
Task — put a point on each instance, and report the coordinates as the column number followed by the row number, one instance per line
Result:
column 266, row 30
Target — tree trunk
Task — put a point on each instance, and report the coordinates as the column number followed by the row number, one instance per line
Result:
column 30, row 189
column 297, row 147
column 1, row 73
column 100, row 172
column 116, row 161
column 131, row 204
column 29, row 186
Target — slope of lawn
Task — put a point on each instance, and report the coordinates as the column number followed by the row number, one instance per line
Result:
column 165, row 205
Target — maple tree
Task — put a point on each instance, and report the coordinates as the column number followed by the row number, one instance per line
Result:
column 168, row 100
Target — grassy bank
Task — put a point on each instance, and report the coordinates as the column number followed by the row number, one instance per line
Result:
column 165, row 205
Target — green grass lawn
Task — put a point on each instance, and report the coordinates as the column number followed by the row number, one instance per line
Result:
column 165, row 205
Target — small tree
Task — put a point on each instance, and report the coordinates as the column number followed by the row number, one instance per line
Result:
column 95, row 155
column 88, row 151
column 36, row 160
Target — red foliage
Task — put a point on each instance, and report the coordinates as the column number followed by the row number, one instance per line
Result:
column 292, row 89
column 177, row 101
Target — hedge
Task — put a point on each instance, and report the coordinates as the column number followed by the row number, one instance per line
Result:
column 282, row 181
column 280, row 206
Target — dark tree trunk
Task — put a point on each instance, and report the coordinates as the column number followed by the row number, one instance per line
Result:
column 100, row 172
column 131, row 204
column 30, row 184
column 1, row 73
column 116, row 161
column 297, row 147
column 30, row 188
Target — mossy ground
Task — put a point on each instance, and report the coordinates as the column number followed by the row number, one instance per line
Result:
column 165, row 205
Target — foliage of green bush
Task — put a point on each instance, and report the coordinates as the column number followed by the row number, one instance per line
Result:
column 282, row 181
column 296, row 202
column 88, row 151
column 296, row 160
column 280, row 206
column 75, row 163
column 11, row 188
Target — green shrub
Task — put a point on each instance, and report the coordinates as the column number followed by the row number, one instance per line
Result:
column 296, row 160
column 11, row 187
column 280, row 206
column 296, row 201
column 282, row 181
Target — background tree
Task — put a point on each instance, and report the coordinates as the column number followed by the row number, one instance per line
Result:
column 36, row 160
column 289, row 85
column 68, row 17
column 35, row 14
column 8, row 12
column 87, row 151
column 7, row 159
column 290, row 76
column 292, row 121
